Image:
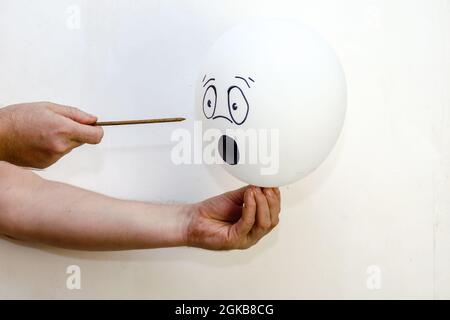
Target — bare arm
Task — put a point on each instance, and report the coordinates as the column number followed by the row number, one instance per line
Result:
column 34, row 209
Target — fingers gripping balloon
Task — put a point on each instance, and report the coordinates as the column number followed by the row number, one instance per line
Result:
column 277, row 93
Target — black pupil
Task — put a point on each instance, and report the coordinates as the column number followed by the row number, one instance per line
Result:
column 209, row 103
column 235, row 106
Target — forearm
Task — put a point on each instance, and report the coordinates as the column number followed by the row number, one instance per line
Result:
column 4, row 123
column 35, row 209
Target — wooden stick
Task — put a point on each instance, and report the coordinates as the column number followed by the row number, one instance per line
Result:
column 145, row 121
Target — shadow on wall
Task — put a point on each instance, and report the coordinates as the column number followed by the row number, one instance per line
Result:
column 218, row 259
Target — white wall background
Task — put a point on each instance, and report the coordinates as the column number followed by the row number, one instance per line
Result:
column 382, row 198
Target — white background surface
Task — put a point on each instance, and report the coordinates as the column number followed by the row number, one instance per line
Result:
column 382, row 198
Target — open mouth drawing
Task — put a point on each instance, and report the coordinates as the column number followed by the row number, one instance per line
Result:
column 228, row 150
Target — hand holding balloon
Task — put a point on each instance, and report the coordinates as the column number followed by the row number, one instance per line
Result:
column 234, row 220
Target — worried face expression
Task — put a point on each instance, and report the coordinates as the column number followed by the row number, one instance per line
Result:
column 236, row 113
column 275, row 130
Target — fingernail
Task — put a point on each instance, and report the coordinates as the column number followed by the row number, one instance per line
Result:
column 269, row 192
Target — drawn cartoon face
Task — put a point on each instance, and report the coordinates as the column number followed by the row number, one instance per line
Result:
column 235, row 113
column 280, row 84
column 238, row 105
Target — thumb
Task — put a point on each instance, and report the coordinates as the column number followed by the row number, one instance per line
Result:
column 87, row 134
column 73, row 113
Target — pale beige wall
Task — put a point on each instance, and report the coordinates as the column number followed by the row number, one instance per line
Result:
column 381, row 199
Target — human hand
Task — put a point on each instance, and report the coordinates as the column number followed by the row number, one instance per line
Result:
column 234, row 220
column 39, row 134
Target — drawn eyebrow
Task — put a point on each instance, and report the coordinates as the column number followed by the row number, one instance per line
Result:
column 204, row 78
column 251, row 79
column 212, row 79
column 246, row 82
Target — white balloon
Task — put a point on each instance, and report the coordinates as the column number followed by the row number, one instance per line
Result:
column 274, row 79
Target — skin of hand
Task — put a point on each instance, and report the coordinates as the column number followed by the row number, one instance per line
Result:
column 38, row 134
column 234, row 220
column 38, row 210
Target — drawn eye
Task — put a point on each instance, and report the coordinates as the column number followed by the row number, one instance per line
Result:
column 209, row 102
column 238, row 105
